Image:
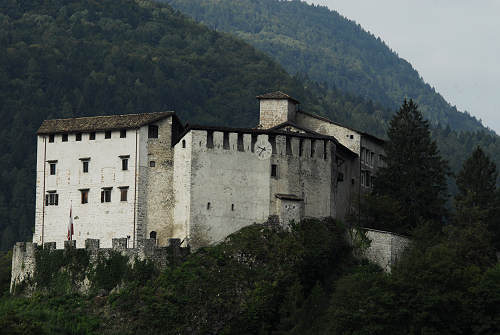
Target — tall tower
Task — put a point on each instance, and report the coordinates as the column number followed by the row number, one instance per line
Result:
column 276, row 108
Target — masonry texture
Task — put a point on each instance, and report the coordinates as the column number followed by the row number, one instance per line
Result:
column 147, row 176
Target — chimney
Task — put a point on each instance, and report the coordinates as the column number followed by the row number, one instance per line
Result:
column 276, row 108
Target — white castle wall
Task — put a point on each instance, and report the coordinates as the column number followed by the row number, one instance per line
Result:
column 94, row 219
column 385, row 247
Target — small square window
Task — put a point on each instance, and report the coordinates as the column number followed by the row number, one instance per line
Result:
column 52, row 169
column 65, row 137
column 123, row 193
column 92, row 136
column 85, row 166
column 51, row 198
column 124, row 164
column 153, row 131
column 106, row 195
column 84, row 196
column 107, row 134
column 78, row 136
column 51, row 138
column 152, row 164
column 123, row 133
column 274, row 170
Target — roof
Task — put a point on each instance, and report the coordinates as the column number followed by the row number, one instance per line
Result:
column 277, row 95
column 96, row 123
column 292, row 197
column 322, row 118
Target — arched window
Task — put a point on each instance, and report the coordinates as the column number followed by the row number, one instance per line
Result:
column 152, row 235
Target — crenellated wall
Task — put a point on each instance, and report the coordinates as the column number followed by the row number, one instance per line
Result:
column 24, row 255
column 221, row 185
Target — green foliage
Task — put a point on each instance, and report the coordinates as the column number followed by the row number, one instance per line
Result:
column 5, row 269
column 330, row 49
column 414, row 176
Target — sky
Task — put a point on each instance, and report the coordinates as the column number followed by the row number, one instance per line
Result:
column 453, row 44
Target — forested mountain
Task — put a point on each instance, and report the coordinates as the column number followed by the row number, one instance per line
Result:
column 330, row 49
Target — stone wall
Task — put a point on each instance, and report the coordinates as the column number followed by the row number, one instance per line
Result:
column 276, row 111
column 24, row 255
column 385, row 247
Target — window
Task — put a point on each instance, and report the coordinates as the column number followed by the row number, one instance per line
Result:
column 274, row 170
column 106, row 194
column 107, row 134
column 123, row 193
column 65, row 137
column 313, row 147
column 362, row 155
column 208, row 205
column 153, row 131
column 241, row 146
column 152, row 164
column 363, row 175
column 232, row 207
column 301, row 146
column 51, row 198
column 78, row 137
column 85, row 196
column 124, row 164
column 210, row 139
column 183, row 143
column 351, row 137
column 85, row 166
column 92, row 136
column 152, row 235
column 340, row 177
column 123, row 133
column 225, row 141
column 52, row 168
column 51, row 138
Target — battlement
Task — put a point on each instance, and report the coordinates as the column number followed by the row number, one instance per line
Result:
column 296, row 145
column 25, row 254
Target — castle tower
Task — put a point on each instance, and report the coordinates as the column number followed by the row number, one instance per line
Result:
column 276, row 108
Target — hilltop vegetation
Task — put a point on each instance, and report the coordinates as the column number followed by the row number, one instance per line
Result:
column 330, row 49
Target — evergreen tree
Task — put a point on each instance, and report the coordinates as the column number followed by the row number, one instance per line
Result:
column 414, row 178
column 476, row 184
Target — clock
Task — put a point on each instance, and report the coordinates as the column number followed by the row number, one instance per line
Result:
column 263, row 149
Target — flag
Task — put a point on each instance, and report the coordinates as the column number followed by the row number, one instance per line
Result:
column 70, row 224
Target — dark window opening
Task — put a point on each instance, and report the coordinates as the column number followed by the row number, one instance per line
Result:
column 85, row 196
column 106, row 195
column 301, row 146
column 353, row 181
column 123, row 133
column 123, row 193
column 313, row 147
column 351, row 137
column 232, row 207
column 240, row 143
column 152, row 235
column 274, row 170
column 52, row 168
column 208, row 205
column 153, row 131
column 52, row 198
column 288, row 146
column 65, row 137
column 85, row 166
column 107, row 134
column 78, row 137
column 92, row 136
column 183, row 143
column 324, row 150
column 51, row 138
column 225, row 141
column 210, row 139
column 152, row 164
column 124, row 164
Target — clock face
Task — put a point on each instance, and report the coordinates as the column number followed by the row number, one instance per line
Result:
column 263, row 149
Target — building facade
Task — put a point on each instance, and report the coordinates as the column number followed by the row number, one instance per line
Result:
column 148, row 176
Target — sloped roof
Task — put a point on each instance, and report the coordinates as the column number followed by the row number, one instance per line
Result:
column 277, row 95
column 96, row 123
column 322, row 118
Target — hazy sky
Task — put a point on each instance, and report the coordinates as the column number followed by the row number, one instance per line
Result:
column 453, row 44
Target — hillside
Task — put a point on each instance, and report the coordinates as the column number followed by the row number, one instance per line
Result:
column 330, row 49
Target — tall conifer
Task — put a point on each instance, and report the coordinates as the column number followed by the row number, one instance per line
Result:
column 414, row 176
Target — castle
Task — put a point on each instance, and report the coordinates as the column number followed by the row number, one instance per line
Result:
column 149, row 176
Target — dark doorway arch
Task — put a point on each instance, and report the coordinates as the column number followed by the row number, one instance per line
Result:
column 152, row 235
